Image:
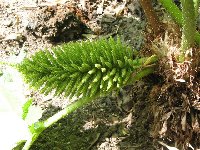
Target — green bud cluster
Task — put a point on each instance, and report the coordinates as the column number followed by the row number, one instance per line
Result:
column 83, row 68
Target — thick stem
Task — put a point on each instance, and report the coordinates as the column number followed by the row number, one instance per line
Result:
column 30, row 141
column 61, row 114
column 173, row 10
column 189, row 27
column 148, row 68
column 176, row 14
column 196, row 7
column 39, row 127
column 66, row 111
column 151, row 16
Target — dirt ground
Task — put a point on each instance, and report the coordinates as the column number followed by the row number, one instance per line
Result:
column 120, row 121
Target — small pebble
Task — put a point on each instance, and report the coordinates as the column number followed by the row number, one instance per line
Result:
column 8, row 23
column 14, row 36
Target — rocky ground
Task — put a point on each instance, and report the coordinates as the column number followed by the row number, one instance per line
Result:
column 32, row 25
column 120, row 121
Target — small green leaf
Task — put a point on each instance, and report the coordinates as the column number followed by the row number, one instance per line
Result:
column 103, row 70
column 97, row 77
column 106, row 77
column 108, row 64
column 1, row 73
column 75, row 75
column 92, row 71
column 120, row 63
column 84, row 67
column 37, row 127
column 25, row 108
column 124, row 72
column 98, row 66
column 85, row 77
column 116, row 77
column 110, row 84
column 112, row 73
column 75, row 66
column 94, row 89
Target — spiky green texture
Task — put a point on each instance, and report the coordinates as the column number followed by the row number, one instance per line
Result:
column 87, row 68
column 176, row 14
column 189, row 27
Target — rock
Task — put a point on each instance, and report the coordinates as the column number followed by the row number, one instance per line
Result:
column 14, row 36
column 8, row 23
column 108, row 18
column 56, row 24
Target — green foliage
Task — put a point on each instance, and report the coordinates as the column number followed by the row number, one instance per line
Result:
column 189, row 26
column 176, row 14
column 87, row 68
column 25, row 108
column 1, row 73
column 196, row 7
column 187, row 19
column 37, row 127
column 173, row 10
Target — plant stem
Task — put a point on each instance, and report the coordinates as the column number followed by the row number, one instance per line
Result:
column 66, row 111
column 151, row 16
column 196, row 7
column 140, row 74
column 189, row 27
column 30, row 141
column 148, row 68
column 173, row 10
column 7, row 63
column 61, row 114
column 39, row 127
column 176, row 14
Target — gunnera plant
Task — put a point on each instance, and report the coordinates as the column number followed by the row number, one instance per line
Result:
column 85, row 70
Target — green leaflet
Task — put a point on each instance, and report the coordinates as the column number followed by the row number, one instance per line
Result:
column 97, row 77
column 85, row 68
column 120, row 63
column 113, row 72
column 25, row 108
column 109, row 65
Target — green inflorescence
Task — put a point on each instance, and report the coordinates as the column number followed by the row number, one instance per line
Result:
column 81, row 68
